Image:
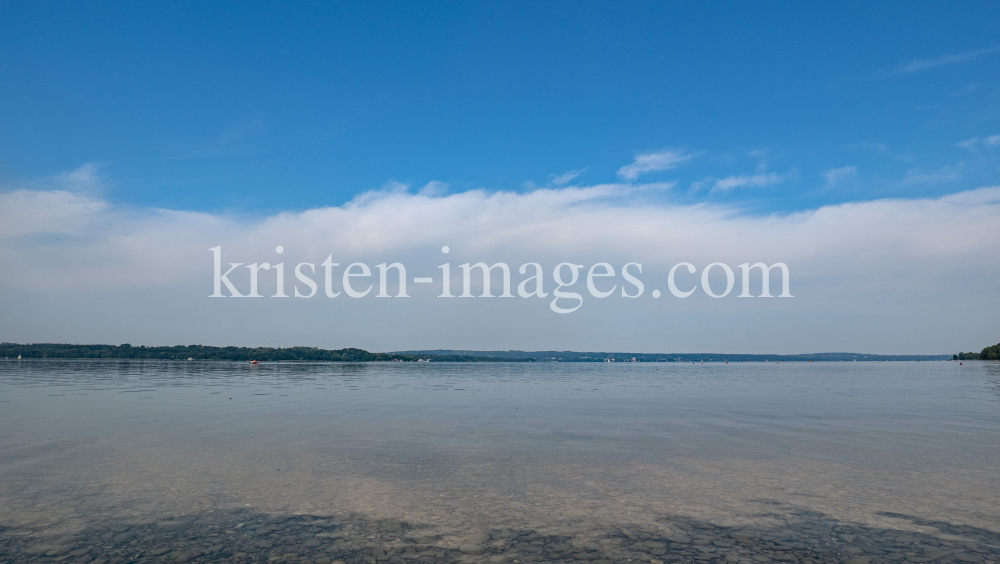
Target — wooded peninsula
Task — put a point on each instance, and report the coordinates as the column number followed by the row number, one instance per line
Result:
column 989, row 353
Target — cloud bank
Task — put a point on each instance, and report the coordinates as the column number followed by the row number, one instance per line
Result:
column 890, row 276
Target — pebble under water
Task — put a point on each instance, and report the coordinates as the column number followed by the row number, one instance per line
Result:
column 245, row 536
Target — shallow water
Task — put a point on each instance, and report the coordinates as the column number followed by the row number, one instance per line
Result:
column 399, row 462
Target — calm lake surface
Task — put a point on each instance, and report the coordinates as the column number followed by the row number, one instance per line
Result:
column 127, row 461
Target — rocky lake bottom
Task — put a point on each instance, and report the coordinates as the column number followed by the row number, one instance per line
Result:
column 153, row 462
column 245, row 536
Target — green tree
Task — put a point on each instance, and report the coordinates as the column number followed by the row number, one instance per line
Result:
column 990, row 353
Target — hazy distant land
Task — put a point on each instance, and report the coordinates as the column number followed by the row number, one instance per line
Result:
column 202, row 352
column 571, row 356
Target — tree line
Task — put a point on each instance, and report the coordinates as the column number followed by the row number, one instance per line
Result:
column 989, row 353
column 203, row 352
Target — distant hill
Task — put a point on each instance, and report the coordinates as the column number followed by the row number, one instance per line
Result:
column 570, row 356
column 202, row 352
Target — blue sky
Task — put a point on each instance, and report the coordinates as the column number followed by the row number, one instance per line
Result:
column 256, row 107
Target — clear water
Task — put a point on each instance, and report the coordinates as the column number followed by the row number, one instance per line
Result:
column 601, row 459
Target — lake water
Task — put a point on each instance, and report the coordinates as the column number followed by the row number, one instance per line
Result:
column 129, row 461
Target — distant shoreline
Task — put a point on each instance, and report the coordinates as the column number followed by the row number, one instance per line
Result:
column 312, row 354
column 572, row 356
column 203, row 352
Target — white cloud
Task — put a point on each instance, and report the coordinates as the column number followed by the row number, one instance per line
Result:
column 969, row 144
column 650, row 162
column 730, row 182
column 390, row 187
column 63, row 204
column 85, row 180
column 878, row 276
column 565, row 178
column 835, row 175
column 434, row 188
column 921, row 64
column 48, row 212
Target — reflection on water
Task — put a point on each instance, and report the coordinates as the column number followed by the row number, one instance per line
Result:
column 205, row 461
